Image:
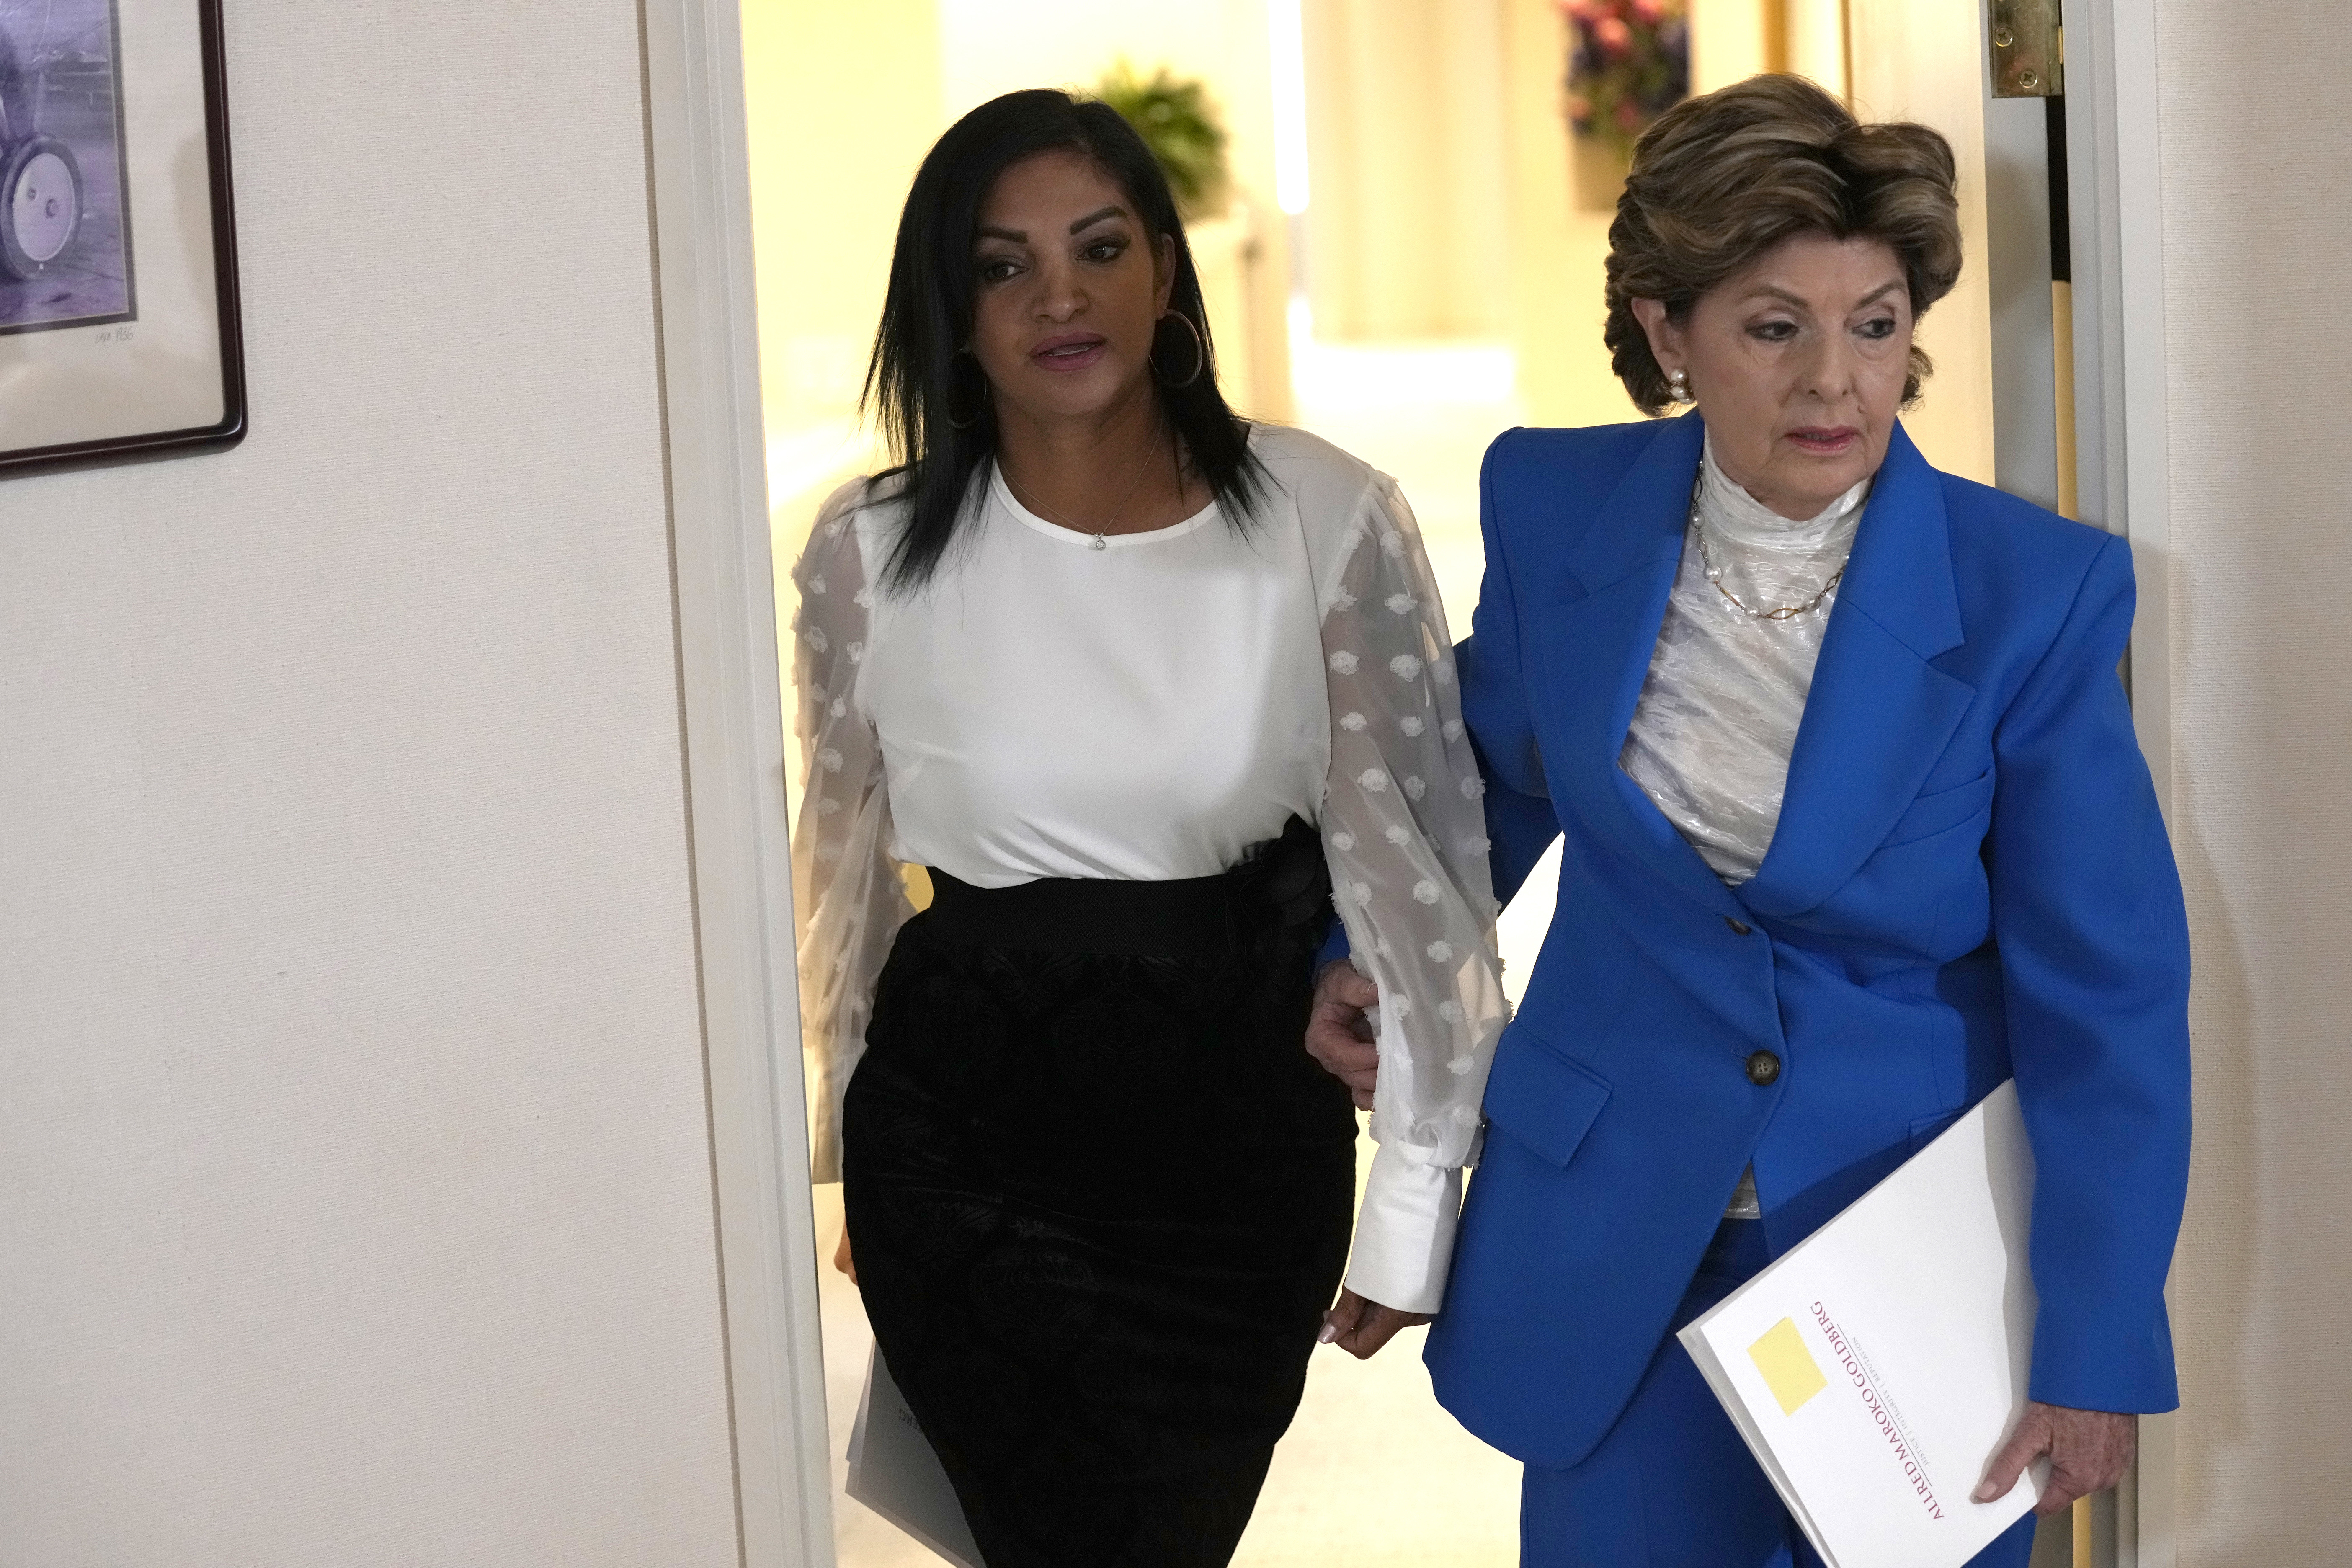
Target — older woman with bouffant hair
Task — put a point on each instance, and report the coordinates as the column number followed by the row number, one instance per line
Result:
column 1856, row 828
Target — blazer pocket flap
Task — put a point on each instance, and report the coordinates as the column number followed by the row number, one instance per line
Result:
column 1932, row 814
column 1541, row 1099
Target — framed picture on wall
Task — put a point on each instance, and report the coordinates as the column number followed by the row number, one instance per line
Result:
column 119, row 331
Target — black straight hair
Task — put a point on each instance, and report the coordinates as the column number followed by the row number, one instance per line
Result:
column 931, row 397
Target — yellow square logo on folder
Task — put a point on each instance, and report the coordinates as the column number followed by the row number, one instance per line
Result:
column 1789, row 1368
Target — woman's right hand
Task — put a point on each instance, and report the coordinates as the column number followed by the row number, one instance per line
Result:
column 841, row 1258
column 1360, row 1327
column 1339, row 1032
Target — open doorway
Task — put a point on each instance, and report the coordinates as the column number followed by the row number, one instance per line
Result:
column 1372, row 1469
column 1407, row 262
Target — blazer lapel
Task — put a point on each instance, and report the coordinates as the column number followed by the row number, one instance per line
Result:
column 1595, row 650
column 1879, row 714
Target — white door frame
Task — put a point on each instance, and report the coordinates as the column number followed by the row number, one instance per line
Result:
column 2114, row 191
column 732, row 702
column 732, row 717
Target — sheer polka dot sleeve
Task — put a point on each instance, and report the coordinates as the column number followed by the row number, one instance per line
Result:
column 1404, row 830
column 847, row 899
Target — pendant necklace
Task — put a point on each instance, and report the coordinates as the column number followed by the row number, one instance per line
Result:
column 1097, row 540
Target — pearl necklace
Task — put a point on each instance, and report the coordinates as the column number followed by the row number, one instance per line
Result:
column 1714, row 578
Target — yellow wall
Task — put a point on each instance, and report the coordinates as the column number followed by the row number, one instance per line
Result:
column 840, row 103
column 1409, row 230
column 1731, row 40
column 1814, row 35
column 1921, row 60
column 1556, row 246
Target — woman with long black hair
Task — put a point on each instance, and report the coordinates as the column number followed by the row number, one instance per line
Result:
column 1140, row 685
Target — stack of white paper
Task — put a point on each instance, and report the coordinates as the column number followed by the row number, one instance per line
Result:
column 893, row 1471
column 1876, row 1368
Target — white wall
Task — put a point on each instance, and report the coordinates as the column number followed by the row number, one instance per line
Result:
column 352, row 1130
column 2257, row 135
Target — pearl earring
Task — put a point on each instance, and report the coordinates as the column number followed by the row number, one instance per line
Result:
column 1679, row 386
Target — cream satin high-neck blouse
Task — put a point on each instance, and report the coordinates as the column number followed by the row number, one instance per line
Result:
column 1717, row 717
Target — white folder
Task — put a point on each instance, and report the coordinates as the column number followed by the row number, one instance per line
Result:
column 1876, row 1367
column 893, row 1471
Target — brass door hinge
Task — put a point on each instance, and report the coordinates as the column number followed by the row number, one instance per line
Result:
column 2028, row 49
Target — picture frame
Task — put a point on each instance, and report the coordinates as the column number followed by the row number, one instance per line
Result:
column 120, row 335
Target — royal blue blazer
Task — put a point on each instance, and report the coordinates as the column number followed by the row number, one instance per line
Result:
column 1971, row 881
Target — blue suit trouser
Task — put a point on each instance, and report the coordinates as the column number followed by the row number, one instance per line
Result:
column 1672, row 1484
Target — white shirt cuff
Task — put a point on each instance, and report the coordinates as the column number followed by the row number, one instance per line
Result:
column 1404, row 1232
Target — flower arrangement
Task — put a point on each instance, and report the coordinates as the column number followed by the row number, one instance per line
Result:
column 1627, row 62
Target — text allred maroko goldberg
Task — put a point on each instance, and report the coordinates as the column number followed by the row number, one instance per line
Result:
column 1911, row 1469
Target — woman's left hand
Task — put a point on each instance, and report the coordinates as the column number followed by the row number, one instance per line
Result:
column 1361, row 1327
column 2089, row 1451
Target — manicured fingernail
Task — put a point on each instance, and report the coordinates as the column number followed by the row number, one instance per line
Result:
column 1327, row 1333
column 1984, row 1492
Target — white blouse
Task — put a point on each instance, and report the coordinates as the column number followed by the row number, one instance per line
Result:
column 1147, row 710
column 1717, row 717
column 1170, row 683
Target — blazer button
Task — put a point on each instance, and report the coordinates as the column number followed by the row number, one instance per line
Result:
column 1763, row 1066
column 1739, row 927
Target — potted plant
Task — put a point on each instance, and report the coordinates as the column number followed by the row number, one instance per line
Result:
column 1177, row 122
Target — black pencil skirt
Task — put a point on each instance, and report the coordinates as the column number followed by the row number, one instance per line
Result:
column 1099, row 1197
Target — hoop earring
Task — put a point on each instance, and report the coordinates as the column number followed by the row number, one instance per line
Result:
column 1679, row 386
column 1200, row 351
column 981, row 413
